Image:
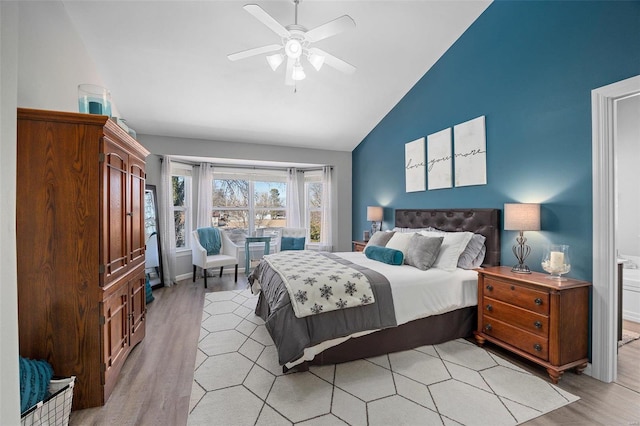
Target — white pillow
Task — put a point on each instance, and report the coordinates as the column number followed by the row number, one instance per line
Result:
column 400, row 241
column 452, row 247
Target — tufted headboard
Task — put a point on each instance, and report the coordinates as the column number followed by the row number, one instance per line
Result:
column 479, row 221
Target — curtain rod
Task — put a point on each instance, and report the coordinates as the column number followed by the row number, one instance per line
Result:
column 247, row 166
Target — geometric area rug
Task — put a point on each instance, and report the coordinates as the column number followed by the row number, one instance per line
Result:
column 237, row 381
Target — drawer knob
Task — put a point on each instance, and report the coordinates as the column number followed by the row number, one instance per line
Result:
column 490, row 287
column 538, row 301
column 489, row 308
column 537, row 347
column 513, row 287
column 537, row 324
column 488, row 327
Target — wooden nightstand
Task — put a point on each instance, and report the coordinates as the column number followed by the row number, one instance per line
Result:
column 359, row 245
column 542, row 320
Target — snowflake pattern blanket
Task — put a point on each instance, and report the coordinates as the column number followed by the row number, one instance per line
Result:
column 317, row 284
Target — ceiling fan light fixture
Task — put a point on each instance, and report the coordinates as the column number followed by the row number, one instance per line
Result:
column 275, row 60
column 293, row 48
column 298, row 73
column 316, row 60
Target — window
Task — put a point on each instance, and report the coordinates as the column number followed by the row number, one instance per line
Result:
column 181, row 181
column 313, row 205
column 243, row 214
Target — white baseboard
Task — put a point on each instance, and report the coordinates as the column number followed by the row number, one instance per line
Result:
column 184, row 277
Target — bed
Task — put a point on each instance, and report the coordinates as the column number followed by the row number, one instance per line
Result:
column 378, row 336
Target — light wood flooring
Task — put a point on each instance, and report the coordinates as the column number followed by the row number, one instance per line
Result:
column 155, row 382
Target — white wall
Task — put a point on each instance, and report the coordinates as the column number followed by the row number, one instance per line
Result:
column 9, row 376
column 194, row 147
column 42, row 61
column 627, row 176
column 52, row 58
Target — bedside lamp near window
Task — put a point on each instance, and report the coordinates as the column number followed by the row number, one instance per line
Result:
column 374, row 214
column 521, row 217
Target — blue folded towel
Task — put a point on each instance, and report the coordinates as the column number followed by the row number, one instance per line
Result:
column 210, row 240
column 384, row 254
column 35, row 376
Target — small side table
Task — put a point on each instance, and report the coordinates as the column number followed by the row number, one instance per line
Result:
column 359, row 245
column 247, row 252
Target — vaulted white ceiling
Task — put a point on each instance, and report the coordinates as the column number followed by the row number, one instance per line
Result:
column 166, row 65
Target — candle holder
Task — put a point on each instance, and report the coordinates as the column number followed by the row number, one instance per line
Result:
column 556, row 261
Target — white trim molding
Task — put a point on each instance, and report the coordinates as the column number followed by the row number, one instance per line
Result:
column 604, row 362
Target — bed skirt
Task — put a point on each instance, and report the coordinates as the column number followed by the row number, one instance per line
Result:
column 426, row 331
column 432, row 330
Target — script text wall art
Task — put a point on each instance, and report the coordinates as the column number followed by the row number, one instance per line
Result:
column 470, row 152
column 415, row 175
column 439, row 159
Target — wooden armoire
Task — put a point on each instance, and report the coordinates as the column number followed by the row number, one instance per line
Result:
column 80, row 247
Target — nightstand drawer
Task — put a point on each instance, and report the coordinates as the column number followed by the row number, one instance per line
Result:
column 524, row 297
column 528, row 342
column 521, row 318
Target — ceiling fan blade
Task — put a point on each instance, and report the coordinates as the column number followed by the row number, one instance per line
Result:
column 253, row 52
column 338, row 25
column 334, row 62
column 267, row 19
column 288, row 76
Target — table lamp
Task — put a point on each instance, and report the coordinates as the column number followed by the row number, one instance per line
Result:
column 521, row 217
column 374, row 214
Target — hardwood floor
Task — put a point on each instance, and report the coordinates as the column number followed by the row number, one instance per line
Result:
column 155, row 383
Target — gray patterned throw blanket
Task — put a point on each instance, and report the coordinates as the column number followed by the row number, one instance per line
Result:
column 292, row 335
column 319, row 284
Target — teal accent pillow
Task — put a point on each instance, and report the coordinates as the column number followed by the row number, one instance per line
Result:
column 291, row 243
column 384, row 254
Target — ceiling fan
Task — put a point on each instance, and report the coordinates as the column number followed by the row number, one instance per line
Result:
column 296, row 44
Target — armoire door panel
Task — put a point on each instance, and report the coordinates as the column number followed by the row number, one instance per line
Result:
column 136, row 210
column 138, row 307
column 115, row 330
column 115, row 244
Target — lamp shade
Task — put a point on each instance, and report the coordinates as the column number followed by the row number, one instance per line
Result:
column 522, row 217
column 374, row 213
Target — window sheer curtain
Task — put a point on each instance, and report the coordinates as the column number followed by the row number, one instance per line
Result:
column 167, row 225
column 294, row 219
column 326, row 240
column 205, row 195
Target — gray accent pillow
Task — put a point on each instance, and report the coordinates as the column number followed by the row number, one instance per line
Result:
column 423, row 251
column 380, row 238
column 473, row 255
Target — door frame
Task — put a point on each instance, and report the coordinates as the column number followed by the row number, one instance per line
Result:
column 604, row 360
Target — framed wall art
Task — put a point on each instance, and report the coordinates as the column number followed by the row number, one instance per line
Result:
column 470, row 152
column 439, row 159
column 415, row 172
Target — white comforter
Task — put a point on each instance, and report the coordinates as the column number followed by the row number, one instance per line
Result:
column 419, row 294
column 416, row 294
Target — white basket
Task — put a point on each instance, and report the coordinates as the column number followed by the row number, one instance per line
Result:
column 56, row 409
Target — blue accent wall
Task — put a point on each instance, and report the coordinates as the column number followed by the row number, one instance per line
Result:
column 529, row 68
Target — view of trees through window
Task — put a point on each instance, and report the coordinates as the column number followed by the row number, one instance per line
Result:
column 314, row 209
column 234, row 209
column 247, row 203
column 179, row 210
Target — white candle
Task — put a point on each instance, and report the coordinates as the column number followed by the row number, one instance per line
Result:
column 556, row 260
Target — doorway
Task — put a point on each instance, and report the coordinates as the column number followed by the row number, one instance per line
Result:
column 604, row 102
